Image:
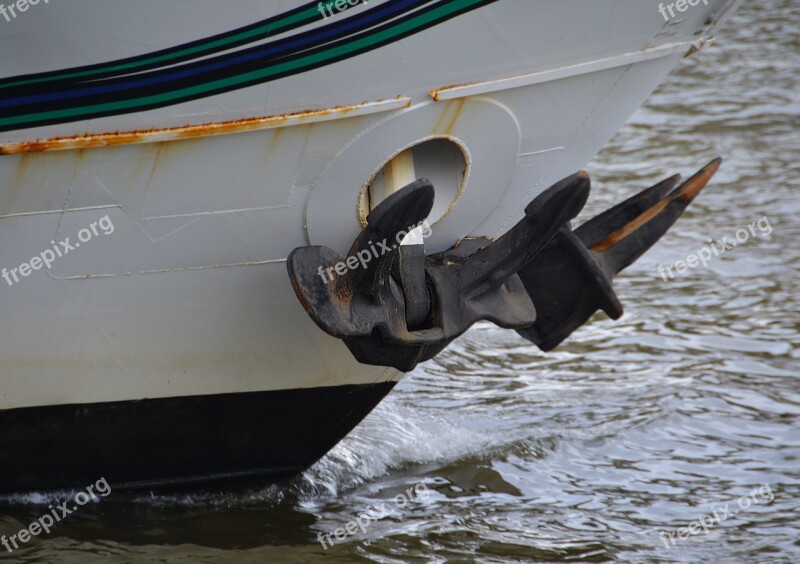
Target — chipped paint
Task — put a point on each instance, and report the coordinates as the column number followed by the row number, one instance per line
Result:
column 699, row 45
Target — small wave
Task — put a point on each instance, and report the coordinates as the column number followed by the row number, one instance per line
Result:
column 395, row 436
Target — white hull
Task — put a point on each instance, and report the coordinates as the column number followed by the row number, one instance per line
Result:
column 189, row 295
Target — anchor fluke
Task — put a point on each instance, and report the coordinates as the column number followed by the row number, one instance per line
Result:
column 572, row 278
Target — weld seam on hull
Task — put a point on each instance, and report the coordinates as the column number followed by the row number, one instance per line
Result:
column 59, row 211
column 165, row 270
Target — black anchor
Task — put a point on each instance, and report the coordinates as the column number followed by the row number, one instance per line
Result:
column 541, row 278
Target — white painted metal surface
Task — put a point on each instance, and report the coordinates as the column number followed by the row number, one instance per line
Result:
column 189, row 294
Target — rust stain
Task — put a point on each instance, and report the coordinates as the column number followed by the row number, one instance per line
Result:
column 440, row 120
column 22, row 169
column 156, row 159
column 447, row 120
column 458, row 108
column 341, row 291
column 274, row 140
column 16, row 185
column 686, row 192
column 111, row 139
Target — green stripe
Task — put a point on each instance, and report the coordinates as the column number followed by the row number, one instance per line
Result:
column 210, row 87
column 308, row 15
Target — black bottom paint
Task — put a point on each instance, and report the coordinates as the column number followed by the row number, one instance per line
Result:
column 173, row 442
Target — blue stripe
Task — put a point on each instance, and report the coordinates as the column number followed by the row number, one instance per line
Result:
column 313, row 40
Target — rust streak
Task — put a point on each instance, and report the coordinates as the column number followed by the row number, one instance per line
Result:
column 448, row 117
column 16, row 186
column 341, row 289
column 110, row 139
column 458, row 109
column 686, row 192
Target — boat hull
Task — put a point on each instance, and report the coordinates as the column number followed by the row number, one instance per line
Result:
column 178, row 304
column 179, row 442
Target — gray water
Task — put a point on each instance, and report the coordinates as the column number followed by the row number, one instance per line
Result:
column 633, row 428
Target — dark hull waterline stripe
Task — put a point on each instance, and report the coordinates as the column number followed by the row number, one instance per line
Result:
column 178, row 441
column 308, row 60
